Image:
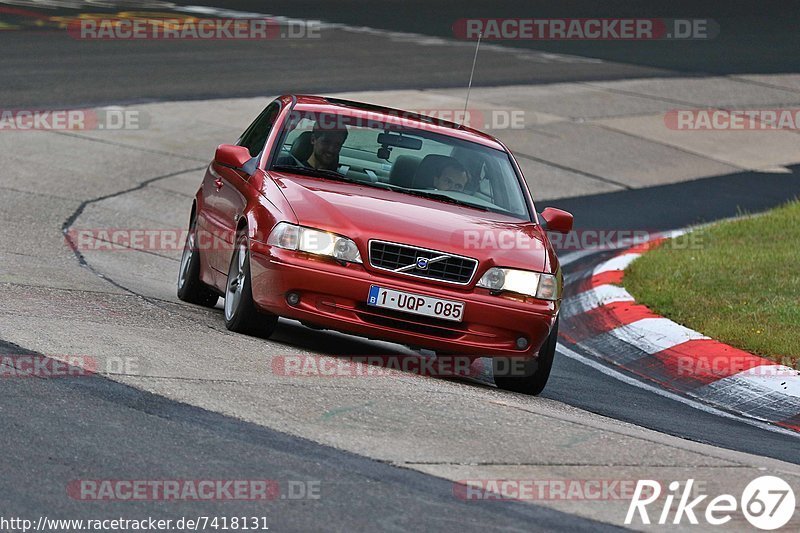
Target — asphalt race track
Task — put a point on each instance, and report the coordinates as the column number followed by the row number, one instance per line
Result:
column 64, row 69
column 161, row 439
column 203, row 404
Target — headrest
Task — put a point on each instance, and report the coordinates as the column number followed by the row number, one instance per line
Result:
column 403, row 170
column 301, row 147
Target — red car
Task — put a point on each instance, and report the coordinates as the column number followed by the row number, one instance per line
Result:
column 379, row 223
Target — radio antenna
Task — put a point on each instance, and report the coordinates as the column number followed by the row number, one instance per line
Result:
column 472, row 73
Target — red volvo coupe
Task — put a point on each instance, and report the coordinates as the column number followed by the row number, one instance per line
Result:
column 379, row 223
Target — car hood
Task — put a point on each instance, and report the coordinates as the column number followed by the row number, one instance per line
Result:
column 362, row 213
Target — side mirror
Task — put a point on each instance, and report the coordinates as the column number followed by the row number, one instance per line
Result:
column 557, row 220
column 231, row 155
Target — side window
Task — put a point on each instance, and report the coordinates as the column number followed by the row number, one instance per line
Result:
column 256, row 135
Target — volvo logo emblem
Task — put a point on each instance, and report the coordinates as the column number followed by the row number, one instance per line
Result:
column 422, row 263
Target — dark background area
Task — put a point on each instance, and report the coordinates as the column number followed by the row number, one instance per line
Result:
column 47, row 67
column 754, row 36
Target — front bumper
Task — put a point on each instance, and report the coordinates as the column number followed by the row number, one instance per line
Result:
column 334, row 296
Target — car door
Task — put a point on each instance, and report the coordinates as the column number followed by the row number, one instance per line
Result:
column 210, row 223
column 231, row 188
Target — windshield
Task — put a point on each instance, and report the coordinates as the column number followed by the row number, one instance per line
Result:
column 405, row 159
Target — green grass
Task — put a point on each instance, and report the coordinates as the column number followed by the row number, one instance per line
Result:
column 736, row 281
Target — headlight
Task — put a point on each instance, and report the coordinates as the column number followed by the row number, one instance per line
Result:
column 538, row 285
column 314, row 241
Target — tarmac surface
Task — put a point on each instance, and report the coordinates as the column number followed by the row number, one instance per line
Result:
column 196, row 401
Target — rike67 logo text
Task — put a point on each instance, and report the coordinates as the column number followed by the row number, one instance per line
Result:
column 767, row 502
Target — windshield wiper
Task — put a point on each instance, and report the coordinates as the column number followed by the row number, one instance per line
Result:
column 437, row 196
column 317, row 172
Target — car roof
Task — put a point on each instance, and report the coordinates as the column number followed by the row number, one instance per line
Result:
column 323, row 104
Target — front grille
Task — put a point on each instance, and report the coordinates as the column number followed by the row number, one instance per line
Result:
column 408, row 260
column 413, row 323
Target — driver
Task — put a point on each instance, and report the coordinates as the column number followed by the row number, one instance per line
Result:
column 326, row 143
column 452, row 177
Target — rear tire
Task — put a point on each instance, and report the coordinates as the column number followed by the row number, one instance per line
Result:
column 530, row 376
column 190, row 288
column 241, row 314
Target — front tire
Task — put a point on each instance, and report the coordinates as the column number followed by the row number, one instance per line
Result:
column 241, row 314
column 529, row 376
column 190, row 288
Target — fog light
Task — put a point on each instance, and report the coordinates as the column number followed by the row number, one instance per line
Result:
column 522, row 343
column 293, row 298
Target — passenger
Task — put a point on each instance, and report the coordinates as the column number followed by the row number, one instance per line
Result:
column 452, row 177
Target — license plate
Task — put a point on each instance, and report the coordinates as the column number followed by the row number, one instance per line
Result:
column 415, row 303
